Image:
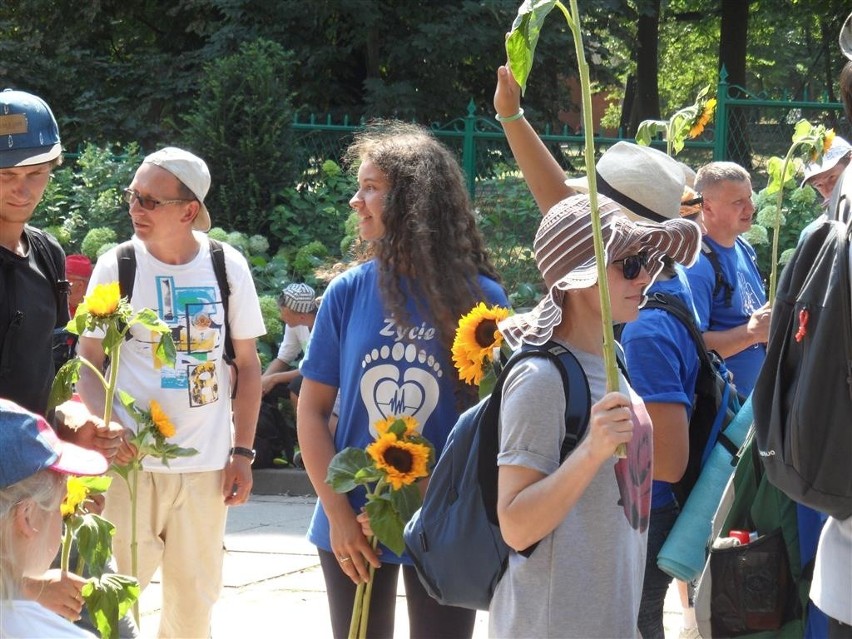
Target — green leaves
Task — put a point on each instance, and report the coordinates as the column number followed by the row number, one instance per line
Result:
column 683, row 124
column 108, row 599
column 521, row 42
column 93, row 535
column 387, row 525
column 349, row 469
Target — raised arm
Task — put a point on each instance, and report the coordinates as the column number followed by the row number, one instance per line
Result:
column 542, row 173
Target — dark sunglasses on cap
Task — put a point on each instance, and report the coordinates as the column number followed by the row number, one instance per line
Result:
column 632, row 264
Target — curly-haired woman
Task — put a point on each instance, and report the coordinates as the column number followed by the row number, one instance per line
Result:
column 383, row 337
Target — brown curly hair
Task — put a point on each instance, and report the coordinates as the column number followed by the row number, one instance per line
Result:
column 431, row 235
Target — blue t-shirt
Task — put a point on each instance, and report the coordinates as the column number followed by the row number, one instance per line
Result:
column 381, row 370
column 739, row 266
column 662, row 360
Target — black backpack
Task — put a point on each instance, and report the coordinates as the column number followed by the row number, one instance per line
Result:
column 715, row 402
column 51, row 260
column 803, row 394
column 454, row 539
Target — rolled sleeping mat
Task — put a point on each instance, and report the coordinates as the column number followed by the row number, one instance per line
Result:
column 684, row 552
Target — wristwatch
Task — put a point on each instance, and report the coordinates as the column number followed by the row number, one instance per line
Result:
column 250, row 453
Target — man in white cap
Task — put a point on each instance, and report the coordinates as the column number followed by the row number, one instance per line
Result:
column 183, row 504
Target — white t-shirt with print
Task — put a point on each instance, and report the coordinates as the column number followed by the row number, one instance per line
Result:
column 195, row 394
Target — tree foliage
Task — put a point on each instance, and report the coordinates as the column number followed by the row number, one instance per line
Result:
column 240, row 124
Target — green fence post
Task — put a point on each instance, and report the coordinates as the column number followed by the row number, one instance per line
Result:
column 721, row 133
column 469, row 149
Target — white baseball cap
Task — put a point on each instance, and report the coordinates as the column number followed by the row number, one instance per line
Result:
column 192, row 171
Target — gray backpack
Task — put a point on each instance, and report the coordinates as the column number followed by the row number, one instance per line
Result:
column 803, row 395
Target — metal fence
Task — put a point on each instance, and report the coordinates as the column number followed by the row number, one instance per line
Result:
column 748, row 129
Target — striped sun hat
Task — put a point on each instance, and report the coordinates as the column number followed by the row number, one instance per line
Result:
column 565, row 256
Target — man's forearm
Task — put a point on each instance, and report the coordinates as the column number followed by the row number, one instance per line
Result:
column 246, row 404
column 729, row 342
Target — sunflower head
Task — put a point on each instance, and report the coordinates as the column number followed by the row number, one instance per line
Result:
column 103, row 300
column 476, row 339
column 703, row 118
column 828, row 140
column 402, row 426
column 161, row 420
column 402, row 462
column 76, row 494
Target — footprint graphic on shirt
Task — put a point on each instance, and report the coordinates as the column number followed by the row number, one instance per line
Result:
column 399, row 380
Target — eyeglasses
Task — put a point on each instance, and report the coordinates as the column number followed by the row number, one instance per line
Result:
column 632, row 264
column 147, row 203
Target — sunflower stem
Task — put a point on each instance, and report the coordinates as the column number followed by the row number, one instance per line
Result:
column 133, row 486
column 67, row 538
column 367, row 596
column 610, row 362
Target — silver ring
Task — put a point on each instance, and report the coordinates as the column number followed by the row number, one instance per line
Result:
column 343, row 560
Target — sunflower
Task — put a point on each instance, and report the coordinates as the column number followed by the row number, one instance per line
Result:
column 103, row 300
column 476, row 338
column 161, row 420
column 77, row 493
column 402, row 462
column 828, row 140
column 703, row 118
column 410, row 423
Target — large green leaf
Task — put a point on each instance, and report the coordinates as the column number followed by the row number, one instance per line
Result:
column 94, row 542
column 108, row 599
column 406, row 501
column 63, row 383
column 522, row 40
column 648, row 130
column 344, row 468
column 386, row 523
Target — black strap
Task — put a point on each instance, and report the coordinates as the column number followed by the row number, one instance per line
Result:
column 217, row 255
column 641, row 210
column 721, row 283
column 51, row 260
column 126, row 268
column 577, row 408
column 126, row 256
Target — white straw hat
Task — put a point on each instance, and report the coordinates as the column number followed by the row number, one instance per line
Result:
column 838, row 150
column 644, row 182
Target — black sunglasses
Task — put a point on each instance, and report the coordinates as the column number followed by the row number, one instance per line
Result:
column 148, row 203
column 632, row 264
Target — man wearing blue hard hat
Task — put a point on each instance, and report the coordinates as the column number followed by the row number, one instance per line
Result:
column 34, row 301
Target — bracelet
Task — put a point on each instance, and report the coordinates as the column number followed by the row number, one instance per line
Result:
column 243, row 452
column 510, row 118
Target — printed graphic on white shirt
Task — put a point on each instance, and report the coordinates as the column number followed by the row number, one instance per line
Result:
column 196, row 319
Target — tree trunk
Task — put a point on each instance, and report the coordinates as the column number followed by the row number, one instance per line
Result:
column 733, row 43
column 646, row 102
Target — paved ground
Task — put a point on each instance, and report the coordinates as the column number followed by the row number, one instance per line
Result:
column 273, row 582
